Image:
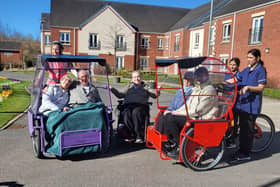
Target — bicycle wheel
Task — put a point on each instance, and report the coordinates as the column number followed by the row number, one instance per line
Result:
column 198, row 157
column 36, row 143
column 265, row 132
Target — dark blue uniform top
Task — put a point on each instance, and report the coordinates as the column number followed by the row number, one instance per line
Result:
column 251, row 102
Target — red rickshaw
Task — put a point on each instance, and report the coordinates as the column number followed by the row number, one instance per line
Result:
column 202, row 141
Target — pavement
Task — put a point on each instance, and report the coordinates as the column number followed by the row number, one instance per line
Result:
column 130, row 164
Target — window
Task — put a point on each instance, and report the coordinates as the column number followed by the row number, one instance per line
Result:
column 119, row 62
column 120, row 42
column 8, row 53
column 256, row 32
column 47, row 39
column 225, row 60
column 94, row 42
column 145, row 42
column 65, row 37
column 177, row 43
column 226, row 32
column 166, row 43
column 160, row 43
column 144, row 63
column 212, row 36
column 196, row 40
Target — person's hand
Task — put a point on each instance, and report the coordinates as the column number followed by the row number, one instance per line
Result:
column 65, row 109
column 244, row 90
column 166, row 112
column 45, row 89
column 175, row 113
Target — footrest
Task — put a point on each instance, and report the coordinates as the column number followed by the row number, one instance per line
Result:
column 155, row 138
column 80, row 138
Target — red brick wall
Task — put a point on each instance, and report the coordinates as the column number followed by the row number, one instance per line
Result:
column 270, row 39
column 15, row 58
column 153, row 50
column 55, row 35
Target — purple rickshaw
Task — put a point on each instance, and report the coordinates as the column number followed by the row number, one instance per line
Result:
column 84, row 136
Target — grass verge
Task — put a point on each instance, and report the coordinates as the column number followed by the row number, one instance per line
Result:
column 15, row 103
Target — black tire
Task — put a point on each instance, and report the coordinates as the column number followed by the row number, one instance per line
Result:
column 209, row 158
column 265, row 132
column 36, row 143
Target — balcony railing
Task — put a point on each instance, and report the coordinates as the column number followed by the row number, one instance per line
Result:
column 255, row 35
column 121, row 46
column 176, row 47
column 96, row 45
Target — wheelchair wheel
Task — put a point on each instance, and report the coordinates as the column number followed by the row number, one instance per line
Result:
column 198, row 157
column 264, row 133
column 36, row 143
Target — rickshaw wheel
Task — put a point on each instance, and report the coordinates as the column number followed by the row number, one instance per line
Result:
column 36, row 143
column 198, row 157
column 264, row 133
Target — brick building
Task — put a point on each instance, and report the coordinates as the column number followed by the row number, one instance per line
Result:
column 132, row 36
column 10, row 54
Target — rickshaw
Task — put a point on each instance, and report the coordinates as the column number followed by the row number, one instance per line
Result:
column 71, row 135
column 202, row 141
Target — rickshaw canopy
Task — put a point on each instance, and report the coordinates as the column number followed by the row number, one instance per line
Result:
column 184, row 62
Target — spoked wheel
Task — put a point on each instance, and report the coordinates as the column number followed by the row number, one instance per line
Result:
column 36, row 143
column 264, row 133
column 198, row 157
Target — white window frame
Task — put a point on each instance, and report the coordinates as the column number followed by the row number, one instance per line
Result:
column 144, row 62
column 160, row 43
column 225, row 59
column 120, row 41
column 93, row 41
column 212, row 38
column 196, row 40
column 166, row 43
column 226, row 31
column 65, row 37
column 119, row 62
column 47, row 39
column 145, row 42
column 257, row 26
column 177, row 43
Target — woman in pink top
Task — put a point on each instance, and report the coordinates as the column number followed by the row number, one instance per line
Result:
column 56, row 69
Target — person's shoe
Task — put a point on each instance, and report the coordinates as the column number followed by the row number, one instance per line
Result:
column 240, row 157
column 231, row 145
column 139, row 141
column 169, row 145
column 129, row 140
column 173, row 153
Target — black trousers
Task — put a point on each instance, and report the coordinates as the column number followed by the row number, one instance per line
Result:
column 134, row 117
column 171, row 125
column 246, row 122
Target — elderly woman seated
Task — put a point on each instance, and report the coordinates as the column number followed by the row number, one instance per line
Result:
column 202, row 104
column 56, row 97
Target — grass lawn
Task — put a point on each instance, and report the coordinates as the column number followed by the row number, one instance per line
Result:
column 15, row 103
column 274, row 93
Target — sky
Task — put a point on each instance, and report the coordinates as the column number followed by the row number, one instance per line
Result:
column 23, row 16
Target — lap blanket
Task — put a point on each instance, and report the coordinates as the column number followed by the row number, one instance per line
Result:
column 87, row 116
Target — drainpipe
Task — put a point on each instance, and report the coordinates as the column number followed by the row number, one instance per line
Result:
column 233, row 34
column 136, row 56
column 74, row 47
column 210, row 24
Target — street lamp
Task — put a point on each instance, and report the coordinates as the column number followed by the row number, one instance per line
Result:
column 210, row 24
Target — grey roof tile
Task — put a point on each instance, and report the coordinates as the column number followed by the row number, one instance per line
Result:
column 10, row 46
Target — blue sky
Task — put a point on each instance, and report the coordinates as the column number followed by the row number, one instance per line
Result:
column 24, row 15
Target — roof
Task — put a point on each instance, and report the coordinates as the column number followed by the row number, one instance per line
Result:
column 237, row 5
column 10, row 46
column 144, row 18
column 45, row 21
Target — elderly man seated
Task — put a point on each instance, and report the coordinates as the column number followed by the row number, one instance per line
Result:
column 56, row 97
column 202, row 104
column 82, row 91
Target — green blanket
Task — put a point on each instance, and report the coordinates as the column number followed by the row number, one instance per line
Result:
column 87, row 116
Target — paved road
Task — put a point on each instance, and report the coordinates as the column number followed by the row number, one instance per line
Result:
column 128, row 165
